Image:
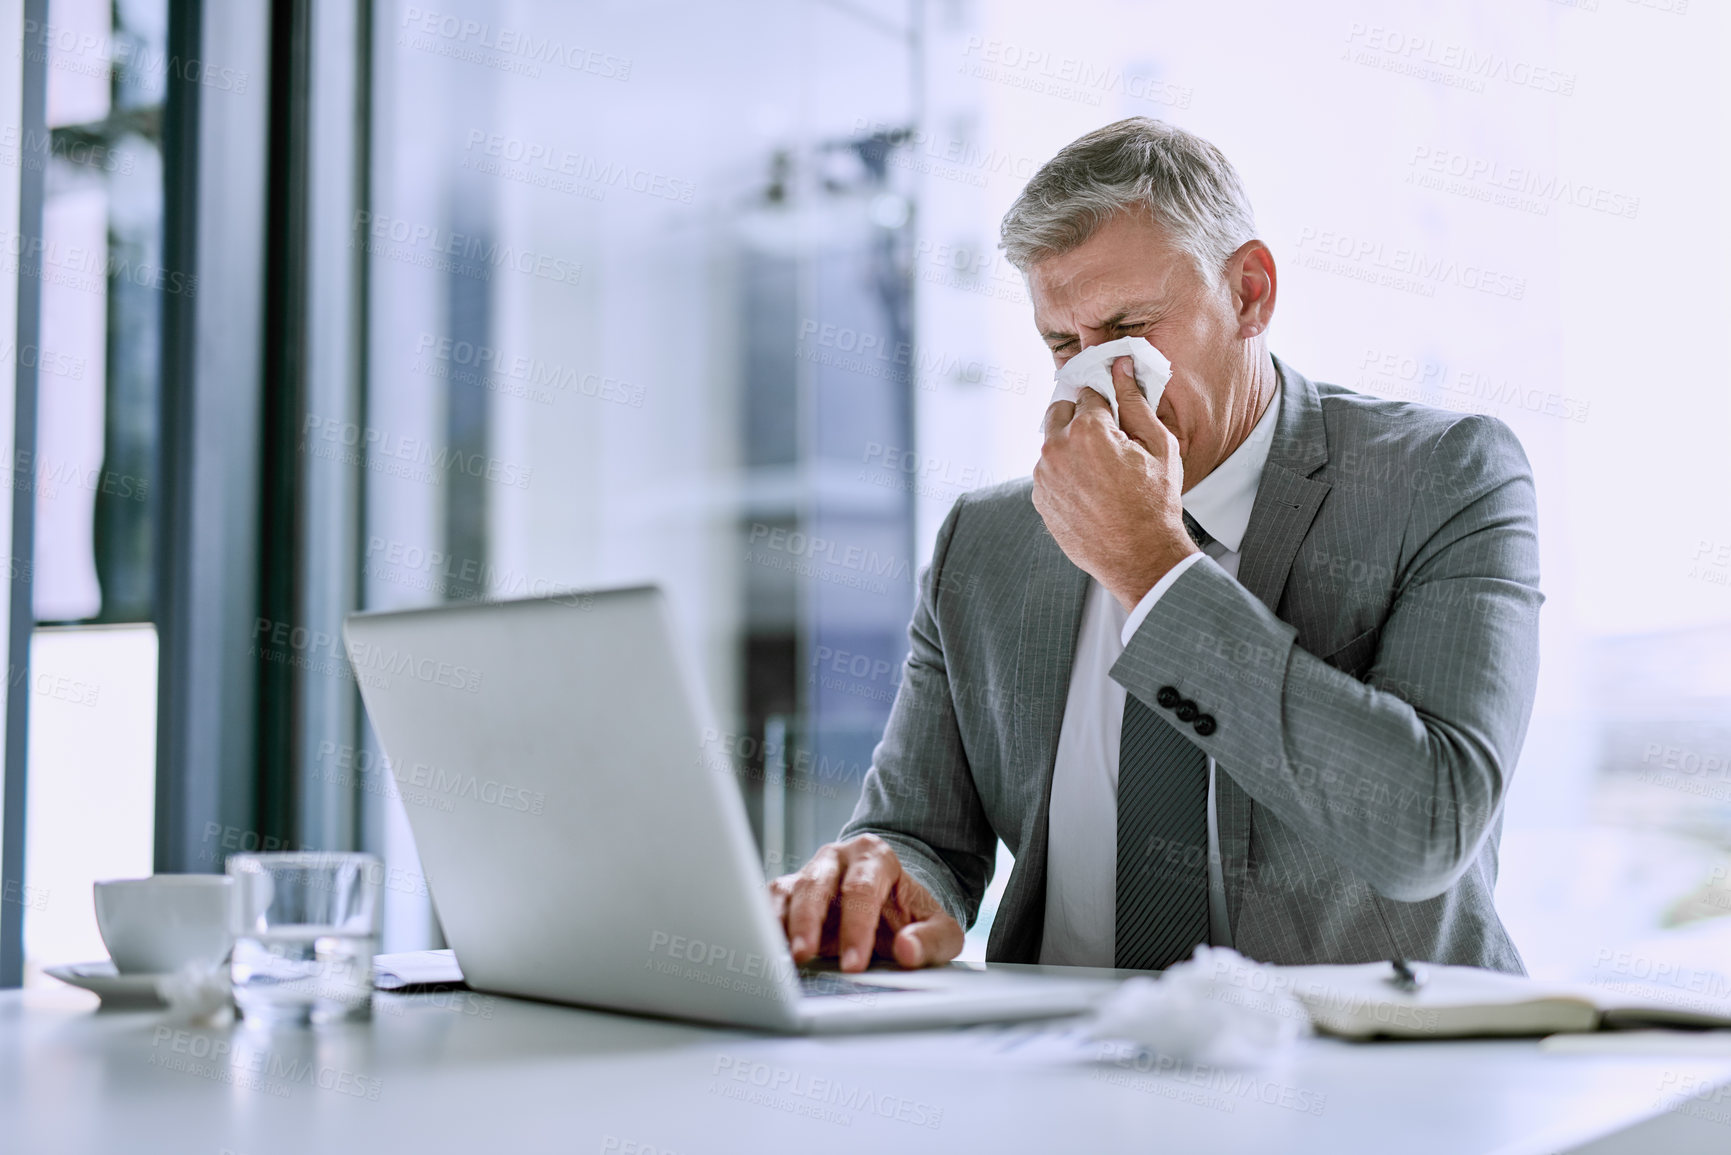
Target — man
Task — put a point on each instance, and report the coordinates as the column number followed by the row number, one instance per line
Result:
column 1251, row 669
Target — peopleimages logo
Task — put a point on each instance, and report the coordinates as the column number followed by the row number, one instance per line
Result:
column 86, row 269
column 240, row 1064
column 470, row 363
column 48, row 478
column 1064, row 77
column 1402, row 267
column 799, row 768
column 1432, row 380
column 958, row 154
column 830, row 552
column 1511, row 186
column 411, row 457
column 1458, row 65
column 873, row 355
column 321, row 652
column 926, row 466
column 450, row 675
column 801, row 1094
column 465, row 254
column 581, row 167
column 50, row 361
column 102, row 53
column 33, row 146
column 462, row 37
column 461, row 578
column 421, row 781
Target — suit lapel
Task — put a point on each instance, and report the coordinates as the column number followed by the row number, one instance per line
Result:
column 1287, row 501
column 1052, row 603
column 1285, row 506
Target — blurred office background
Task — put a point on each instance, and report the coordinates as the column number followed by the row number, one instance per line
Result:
column 313, row 305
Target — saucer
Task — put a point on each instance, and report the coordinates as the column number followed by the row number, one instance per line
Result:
column 117, row 991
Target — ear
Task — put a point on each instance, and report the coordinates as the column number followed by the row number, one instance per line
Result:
column 1250, row 276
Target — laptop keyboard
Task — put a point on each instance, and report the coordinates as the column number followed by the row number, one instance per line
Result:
column 824, row 984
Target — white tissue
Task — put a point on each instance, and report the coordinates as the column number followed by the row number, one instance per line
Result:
column 197, row 994
column 1092, row 369
column 1219, row 1008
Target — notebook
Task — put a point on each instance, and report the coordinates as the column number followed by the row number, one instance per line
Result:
column 1360, row 1002
column 412, row 972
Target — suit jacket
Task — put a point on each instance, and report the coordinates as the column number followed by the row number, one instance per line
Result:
column 1371, row 673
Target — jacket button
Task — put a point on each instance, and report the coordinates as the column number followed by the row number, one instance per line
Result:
column 1186, row 710
column 1167, row 697
column 1204, row 724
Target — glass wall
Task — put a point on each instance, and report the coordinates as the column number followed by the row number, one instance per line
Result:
column 92, row 677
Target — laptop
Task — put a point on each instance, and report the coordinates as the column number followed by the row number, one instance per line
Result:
column 583, row 835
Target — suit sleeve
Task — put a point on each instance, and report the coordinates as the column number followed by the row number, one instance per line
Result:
column 919, row 793
column 1400, row 776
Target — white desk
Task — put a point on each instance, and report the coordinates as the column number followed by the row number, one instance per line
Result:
column 473, row 1073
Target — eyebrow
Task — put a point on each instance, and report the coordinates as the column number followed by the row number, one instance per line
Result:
column 1110, row 322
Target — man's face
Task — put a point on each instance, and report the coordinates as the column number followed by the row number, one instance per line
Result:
column 1127, row 281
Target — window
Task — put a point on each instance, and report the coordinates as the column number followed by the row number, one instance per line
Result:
column 92, row 680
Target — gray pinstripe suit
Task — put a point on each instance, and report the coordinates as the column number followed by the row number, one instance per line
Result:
column 1371, row 671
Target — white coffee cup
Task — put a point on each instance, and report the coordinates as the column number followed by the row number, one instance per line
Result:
column 159, row 924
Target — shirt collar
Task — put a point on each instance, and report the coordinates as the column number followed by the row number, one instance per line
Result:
column 1221, row 502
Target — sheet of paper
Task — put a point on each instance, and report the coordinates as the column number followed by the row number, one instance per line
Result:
column 415, row 968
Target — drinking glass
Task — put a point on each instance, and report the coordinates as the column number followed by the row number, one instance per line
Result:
column 306, row 927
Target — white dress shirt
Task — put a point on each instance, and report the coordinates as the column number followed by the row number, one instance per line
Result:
column 1082, row 827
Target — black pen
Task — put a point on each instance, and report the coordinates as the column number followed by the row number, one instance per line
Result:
column 1406, row 976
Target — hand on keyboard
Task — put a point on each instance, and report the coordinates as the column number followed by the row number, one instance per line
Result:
column 854, row 900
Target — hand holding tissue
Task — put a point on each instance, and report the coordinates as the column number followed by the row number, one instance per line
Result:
column 1092, row 369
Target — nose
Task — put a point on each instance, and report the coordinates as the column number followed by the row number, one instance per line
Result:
column 1088, row 338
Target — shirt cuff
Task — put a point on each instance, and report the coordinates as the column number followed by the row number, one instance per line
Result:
column 1143, row 607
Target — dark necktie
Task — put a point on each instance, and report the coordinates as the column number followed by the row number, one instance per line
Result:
column 1196, row 532
column 1162, row 835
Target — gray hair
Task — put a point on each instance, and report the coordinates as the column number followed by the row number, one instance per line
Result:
column 1187, row 186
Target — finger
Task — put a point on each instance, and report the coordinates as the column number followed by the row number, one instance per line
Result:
column 924, row 934
column 1134, row 412
column 864, row 887
column 778, row 888
column 813, row 891
column 930, row 942
column 1058, row 415
column 1089, row 403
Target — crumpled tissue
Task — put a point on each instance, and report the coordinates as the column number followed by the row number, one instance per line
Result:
column 1092, row 369
column 1219, row 1009
column 197, row 994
